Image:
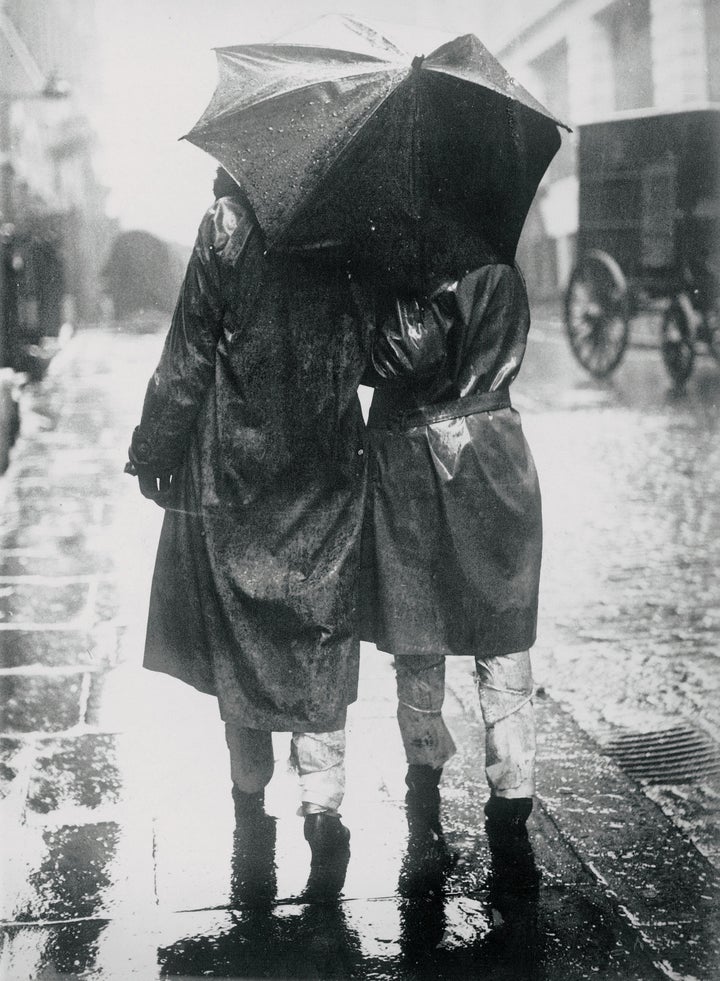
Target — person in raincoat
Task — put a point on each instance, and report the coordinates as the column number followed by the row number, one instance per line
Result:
column 452, row 540
column 252, row 439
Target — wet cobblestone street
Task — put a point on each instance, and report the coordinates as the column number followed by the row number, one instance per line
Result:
column 629, row 634
column 115, row 812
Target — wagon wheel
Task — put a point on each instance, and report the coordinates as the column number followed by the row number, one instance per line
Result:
column 714, row 336
column 597, row 313
column 678, row 349
column 712, row 321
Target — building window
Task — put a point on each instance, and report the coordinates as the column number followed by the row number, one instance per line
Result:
column 550, row 69
column 627, row 23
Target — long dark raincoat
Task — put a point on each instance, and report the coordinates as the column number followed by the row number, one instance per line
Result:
column 254, row 406
column 452, row 538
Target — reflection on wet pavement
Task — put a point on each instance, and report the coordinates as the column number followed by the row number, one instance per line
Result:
column 119, row 856
column 80, row 772
column 253, row 877
column 630, row 589
column 296, row 942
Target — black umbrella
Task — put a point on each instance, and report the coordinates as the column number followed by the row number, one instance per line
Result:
column 418, row 167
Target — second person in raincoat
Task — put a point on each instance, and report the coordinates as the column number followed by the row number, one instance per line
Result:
column 252, row 438
column 452, row 539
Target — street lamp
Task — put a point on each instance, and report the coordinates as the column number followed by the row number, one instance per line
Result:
column 54, row 88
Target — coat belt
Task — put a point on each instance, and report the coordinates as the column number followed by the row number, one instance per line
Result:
column 426, row 415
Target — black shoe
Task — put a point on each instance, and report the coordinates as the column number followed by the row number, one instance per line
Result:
column 248, row 807
column 254, row 875
column 510, row 849
column 428, row 858
column 422, row 799
column 505, row 820
column 329, row 842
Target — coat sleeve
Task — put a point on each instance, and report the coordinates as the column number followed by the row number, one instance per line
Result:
column 493, row 305
column 411, row 341
column 177, row 389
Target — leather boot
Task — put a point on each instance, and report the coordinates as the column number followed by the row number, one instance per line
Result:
column 253, row 875
column 505, row 819
column 423, row 796
column 248, row 807
column 428, row 858
column 514, row 880
column 511, row 853
column 329, row 842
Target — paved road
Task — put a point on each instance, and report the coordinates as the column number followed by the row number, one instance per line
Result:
column 629, row 635
column 117, row 827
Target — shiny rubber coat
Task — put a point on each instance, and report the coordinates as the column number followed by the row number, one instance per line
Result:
column 254, row 407
column 453, row 533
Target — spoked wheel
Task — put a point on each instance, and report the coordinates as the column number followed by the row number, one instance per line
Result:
column 678, row 349
column 597, row 313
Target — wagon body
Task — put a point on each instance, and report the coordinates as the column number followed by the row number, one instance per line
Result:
column 648, row 235
column 650, row 192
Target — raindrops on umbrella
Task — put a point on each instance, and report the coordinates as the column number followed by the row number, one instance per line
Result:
column 418, row 168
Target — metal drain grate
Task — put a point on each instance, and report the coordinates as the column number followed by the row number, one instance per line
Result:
column 677, row 755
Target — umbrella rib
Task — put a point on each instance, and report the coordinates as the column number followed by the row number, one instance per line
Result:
column 339, row 168
column 357, row 55
column 493, row 87
column 222, row 116
column 346, row 147
column 370, row 32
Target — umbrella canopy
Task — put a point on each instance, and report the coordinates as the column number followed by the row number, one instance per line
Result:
column 417, row 167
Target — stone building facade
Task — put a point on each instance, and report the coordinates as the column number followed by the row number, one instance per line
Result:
column 49, row 189
column 586, row 59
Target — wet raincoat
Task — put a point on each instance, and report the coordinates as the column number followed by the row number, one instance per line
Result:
column 452, row 538
column 254, row 408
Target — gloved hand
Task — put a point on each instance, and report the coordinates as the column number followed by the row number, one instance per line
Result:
column 155, row 484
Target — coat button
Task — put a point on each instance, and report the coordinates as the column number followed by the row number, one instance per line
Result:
column 360, row 452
